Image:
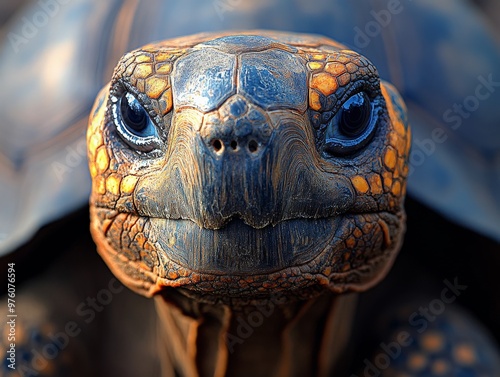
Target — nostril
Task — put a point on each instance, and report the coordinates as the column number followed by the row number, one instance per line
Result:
column 217, row 145
column 253, row 146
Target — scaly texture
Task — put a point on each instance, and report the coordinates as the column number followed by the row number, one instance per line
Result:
column 240, row 196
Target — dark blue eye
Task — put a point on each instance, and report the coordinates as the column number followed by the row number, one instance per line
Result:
column 355, row 115
column 134, row 116
column 134, row 123
column 352, row 127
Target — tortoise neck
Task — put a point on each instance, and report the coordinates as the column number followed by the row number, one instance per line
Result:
column 304, row 338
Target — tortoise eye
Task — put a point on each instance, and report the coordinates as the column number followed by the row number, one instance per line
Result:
column 134, row 116
column 355, row 115
column 352, row 127
column 134, row 124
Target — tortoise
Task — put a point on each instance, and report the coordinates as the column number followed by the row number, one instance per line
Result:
column 432, row 94
column 252, row 216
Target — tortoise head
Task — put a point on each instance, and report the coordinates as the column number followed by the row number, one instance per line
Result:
column 248, row 164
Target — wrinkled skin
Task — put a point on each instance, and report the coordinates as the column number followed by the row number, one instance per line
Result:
column 239, row 193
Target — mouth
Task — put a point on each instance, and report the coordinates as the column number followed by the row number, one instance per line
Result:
column 352, row 251
column 241, row 249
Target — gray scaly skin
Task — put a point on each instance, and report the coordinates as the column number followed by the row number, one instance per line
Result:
column 231, row 170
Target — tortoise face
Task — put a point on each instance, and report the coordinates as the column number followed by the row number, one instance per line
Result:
column 243, row 165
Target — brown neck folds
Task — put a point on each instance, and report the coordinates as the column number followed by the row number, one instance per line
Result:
column 273, row 338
